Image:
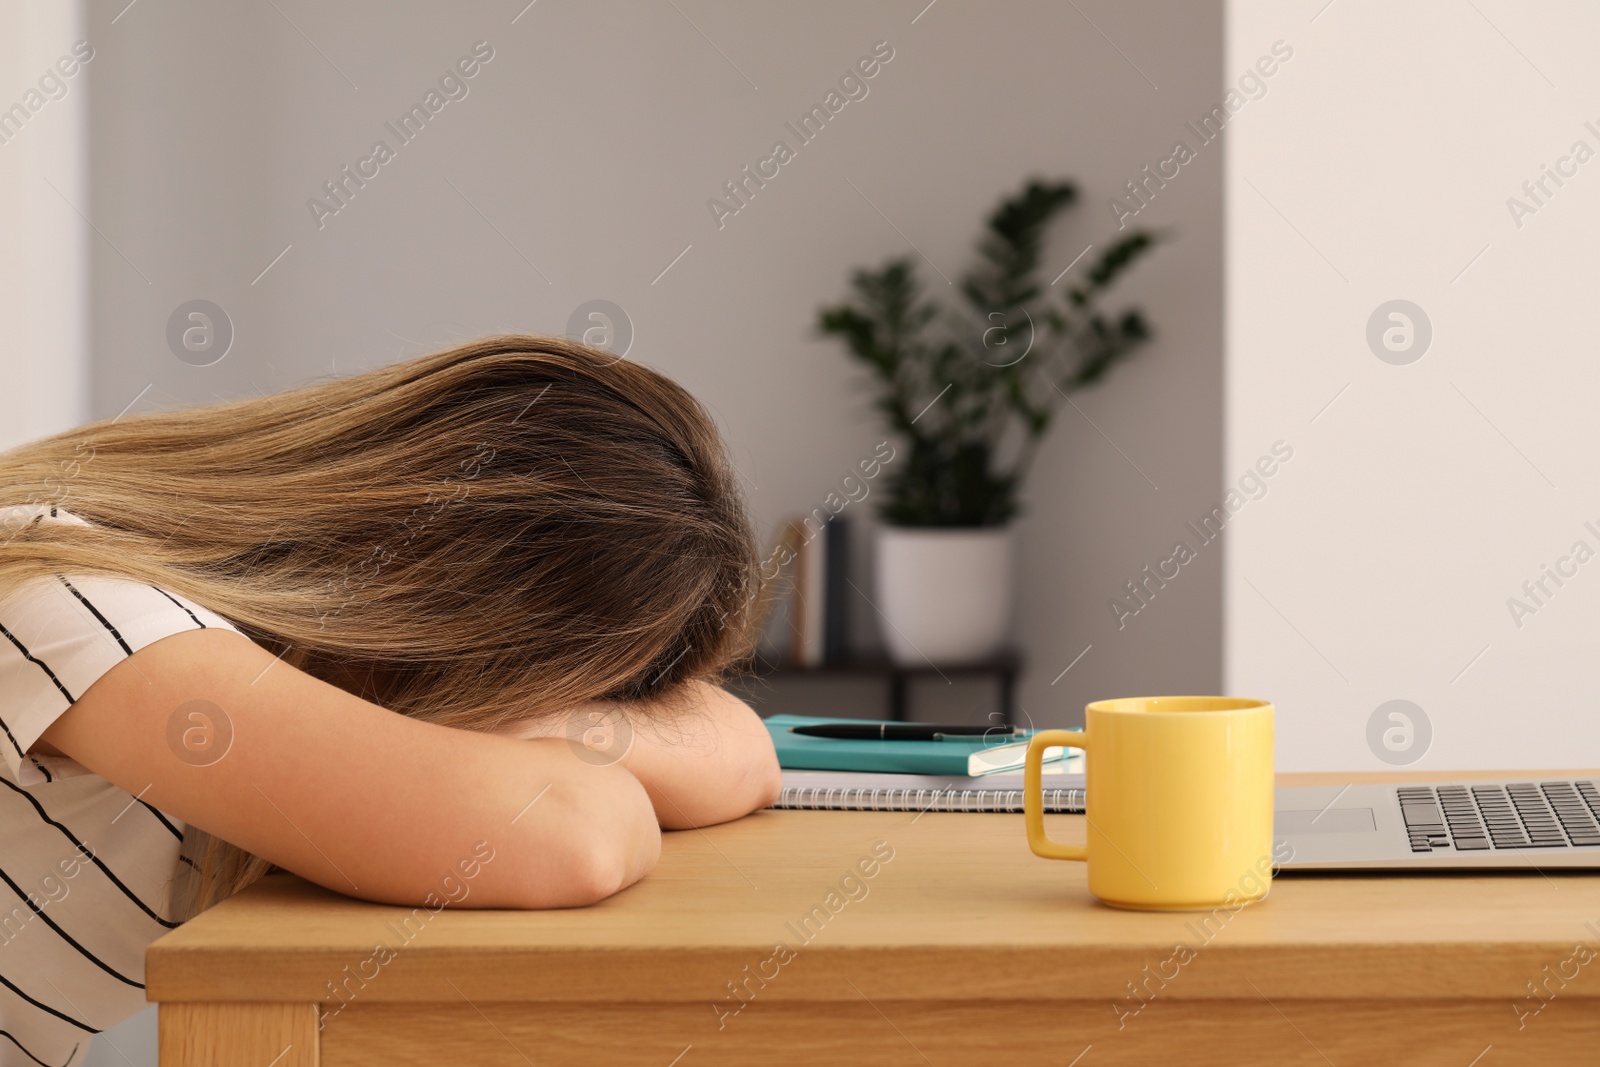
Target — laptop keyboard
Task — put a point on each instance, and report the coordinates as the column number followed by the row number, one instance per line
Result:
column 1475, row 818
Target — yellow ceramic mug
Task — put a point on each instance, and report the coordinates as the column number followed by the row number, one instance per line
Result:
column 1179, row 805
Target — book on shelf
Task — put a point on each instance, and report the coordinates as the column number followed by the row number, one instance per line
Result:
column 805, row 607
column 811, row 587
column 835, row 586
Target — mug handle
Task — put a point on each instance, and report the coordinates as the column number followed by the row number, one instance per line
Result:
column 1033, row 793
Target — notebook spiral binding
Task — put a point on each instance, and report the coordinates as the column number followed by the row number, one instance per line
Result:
column 837, row 798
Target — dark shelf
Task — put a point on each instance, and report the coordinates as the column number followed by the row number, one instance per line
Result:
column 1006, row 661
column 1003, row 667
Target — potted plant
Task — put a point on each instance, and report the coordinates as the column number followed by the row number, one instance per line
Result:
column 972, row 388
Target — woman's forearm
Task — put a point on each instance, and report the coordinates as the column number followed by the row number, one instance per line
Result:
column 352, row 796
column 708, row 760
column 702, row 755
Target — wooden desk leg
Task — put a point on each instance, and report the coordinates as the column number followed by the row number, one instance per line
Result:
column 239, row 1035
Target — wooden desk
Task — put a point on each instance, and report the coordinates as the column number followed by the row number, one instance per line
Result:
column 965, row 949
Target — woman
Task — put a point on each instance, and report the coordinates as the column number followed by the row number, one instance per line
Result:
column 440, row 630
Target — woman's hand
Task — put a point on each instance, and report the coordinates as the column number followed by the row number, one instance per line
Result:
column 711, row 762
column 702, row 755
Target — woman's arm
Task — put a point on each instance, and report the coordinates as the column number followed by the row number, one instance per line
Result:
column 353, row 796
column 703, row 755
column 712, row 762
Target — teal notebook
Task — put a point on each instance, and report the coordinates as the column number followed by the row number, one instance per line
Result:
column 952, row 756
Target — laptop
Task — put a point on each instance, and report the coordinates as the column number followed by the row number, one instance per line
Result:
column 1524, row 824
column 1528, row 823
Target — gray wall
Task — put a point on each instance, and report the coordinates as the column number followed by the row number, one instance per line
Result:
column 44, row 244
column 579, row 165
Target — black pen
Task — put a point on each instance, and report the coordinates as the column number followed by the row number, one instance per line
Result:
column 898, row 731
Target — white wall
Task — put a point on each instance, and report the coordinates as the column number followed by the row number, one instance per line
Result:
column 45, row 274
column 591, row 143
column 44, row 280
column 1380, row 565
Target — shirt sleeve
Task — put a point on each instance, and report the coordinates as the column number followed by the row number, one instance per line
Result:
column 58, row 635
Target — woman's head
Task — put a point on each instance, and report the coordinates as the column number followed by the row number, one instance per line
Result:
column 498, row 531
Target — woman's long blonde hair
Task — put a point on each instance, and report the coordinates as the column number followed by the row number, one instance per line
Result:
column 493, row 533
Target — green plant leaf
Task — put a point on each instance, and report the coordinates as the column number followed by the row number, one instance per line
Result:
column 972, row 408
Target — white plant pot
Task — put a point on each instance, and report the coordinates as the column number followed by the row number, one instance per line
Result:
column 946, row 594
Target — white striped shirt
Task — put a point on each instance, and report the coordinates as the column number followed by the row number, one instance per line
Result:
column 86, row 869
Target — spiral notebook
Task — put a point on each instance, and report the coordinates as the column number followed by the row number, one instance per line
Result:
column 865, row 791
